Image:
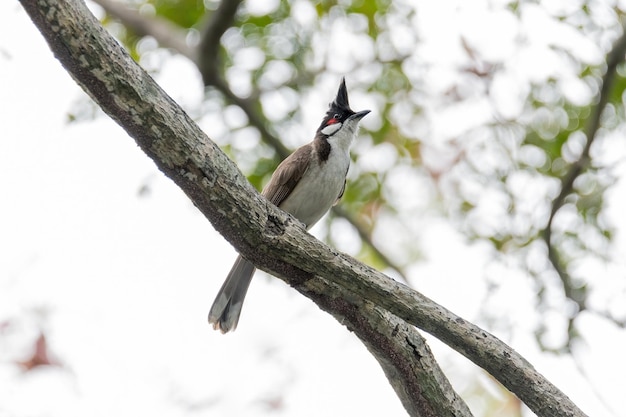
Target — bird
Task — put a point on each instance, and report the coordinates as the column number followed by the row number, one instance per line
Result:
column 306, row 185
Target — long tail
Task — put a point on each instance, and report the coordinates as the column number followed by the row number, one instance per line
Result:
column 224, row 313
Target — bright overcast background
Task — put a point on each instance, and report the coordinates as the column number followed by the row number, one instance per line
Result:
column 111, row 263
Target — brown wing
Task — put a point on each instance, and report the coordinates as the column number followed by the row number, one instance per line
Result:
column 287, row 175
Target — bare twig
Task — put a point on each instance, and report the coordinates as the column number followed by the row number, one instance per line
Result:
column 615, row 57
column 254, row 116
column 210, row 66
column 209, row 47
column 367, row 239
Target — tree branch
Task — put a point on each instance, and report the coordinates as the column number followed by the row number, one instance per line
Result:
column 264, row 234
column 218, row 22
column 367, row 239
column 615, row 57
column 210, row 65
column 401, row 351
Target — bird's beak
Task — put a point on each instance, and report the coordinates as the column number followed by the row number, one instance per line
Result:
column 359, row 115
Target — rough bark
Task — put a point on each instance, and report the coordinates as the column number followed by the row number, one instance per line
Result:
column 366, row 301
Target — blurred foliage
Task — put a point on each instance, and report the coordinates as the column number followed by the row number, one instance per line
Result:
column 482, row 137
column 185, row 13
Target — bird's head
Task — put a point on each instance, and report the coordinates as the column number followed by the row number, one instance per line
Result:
column 340, row 120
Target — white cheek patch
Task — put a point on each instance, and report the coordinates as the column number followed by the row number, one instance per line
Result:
column 330, row 129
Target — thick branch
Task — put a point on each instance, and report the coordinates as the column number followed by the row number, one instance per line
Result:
column 614, row 58
column 401, row 351
column 264, row 234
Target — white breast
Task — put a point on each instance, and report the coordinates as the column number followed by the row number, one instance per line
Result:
column 319, row 187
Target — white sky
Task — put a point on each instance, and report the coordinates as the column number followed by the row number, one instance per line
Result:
column 121, row 284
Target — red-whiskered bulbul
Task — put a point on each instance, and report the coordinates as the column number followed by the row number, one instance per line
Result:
column 306, row 184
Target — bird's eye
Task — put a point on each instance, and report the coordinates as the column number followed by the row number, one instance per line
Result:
column 334, row 119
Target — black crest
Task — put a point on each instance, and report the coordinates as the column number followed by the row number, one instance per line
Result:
column 341, row 101
column 339, row 110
